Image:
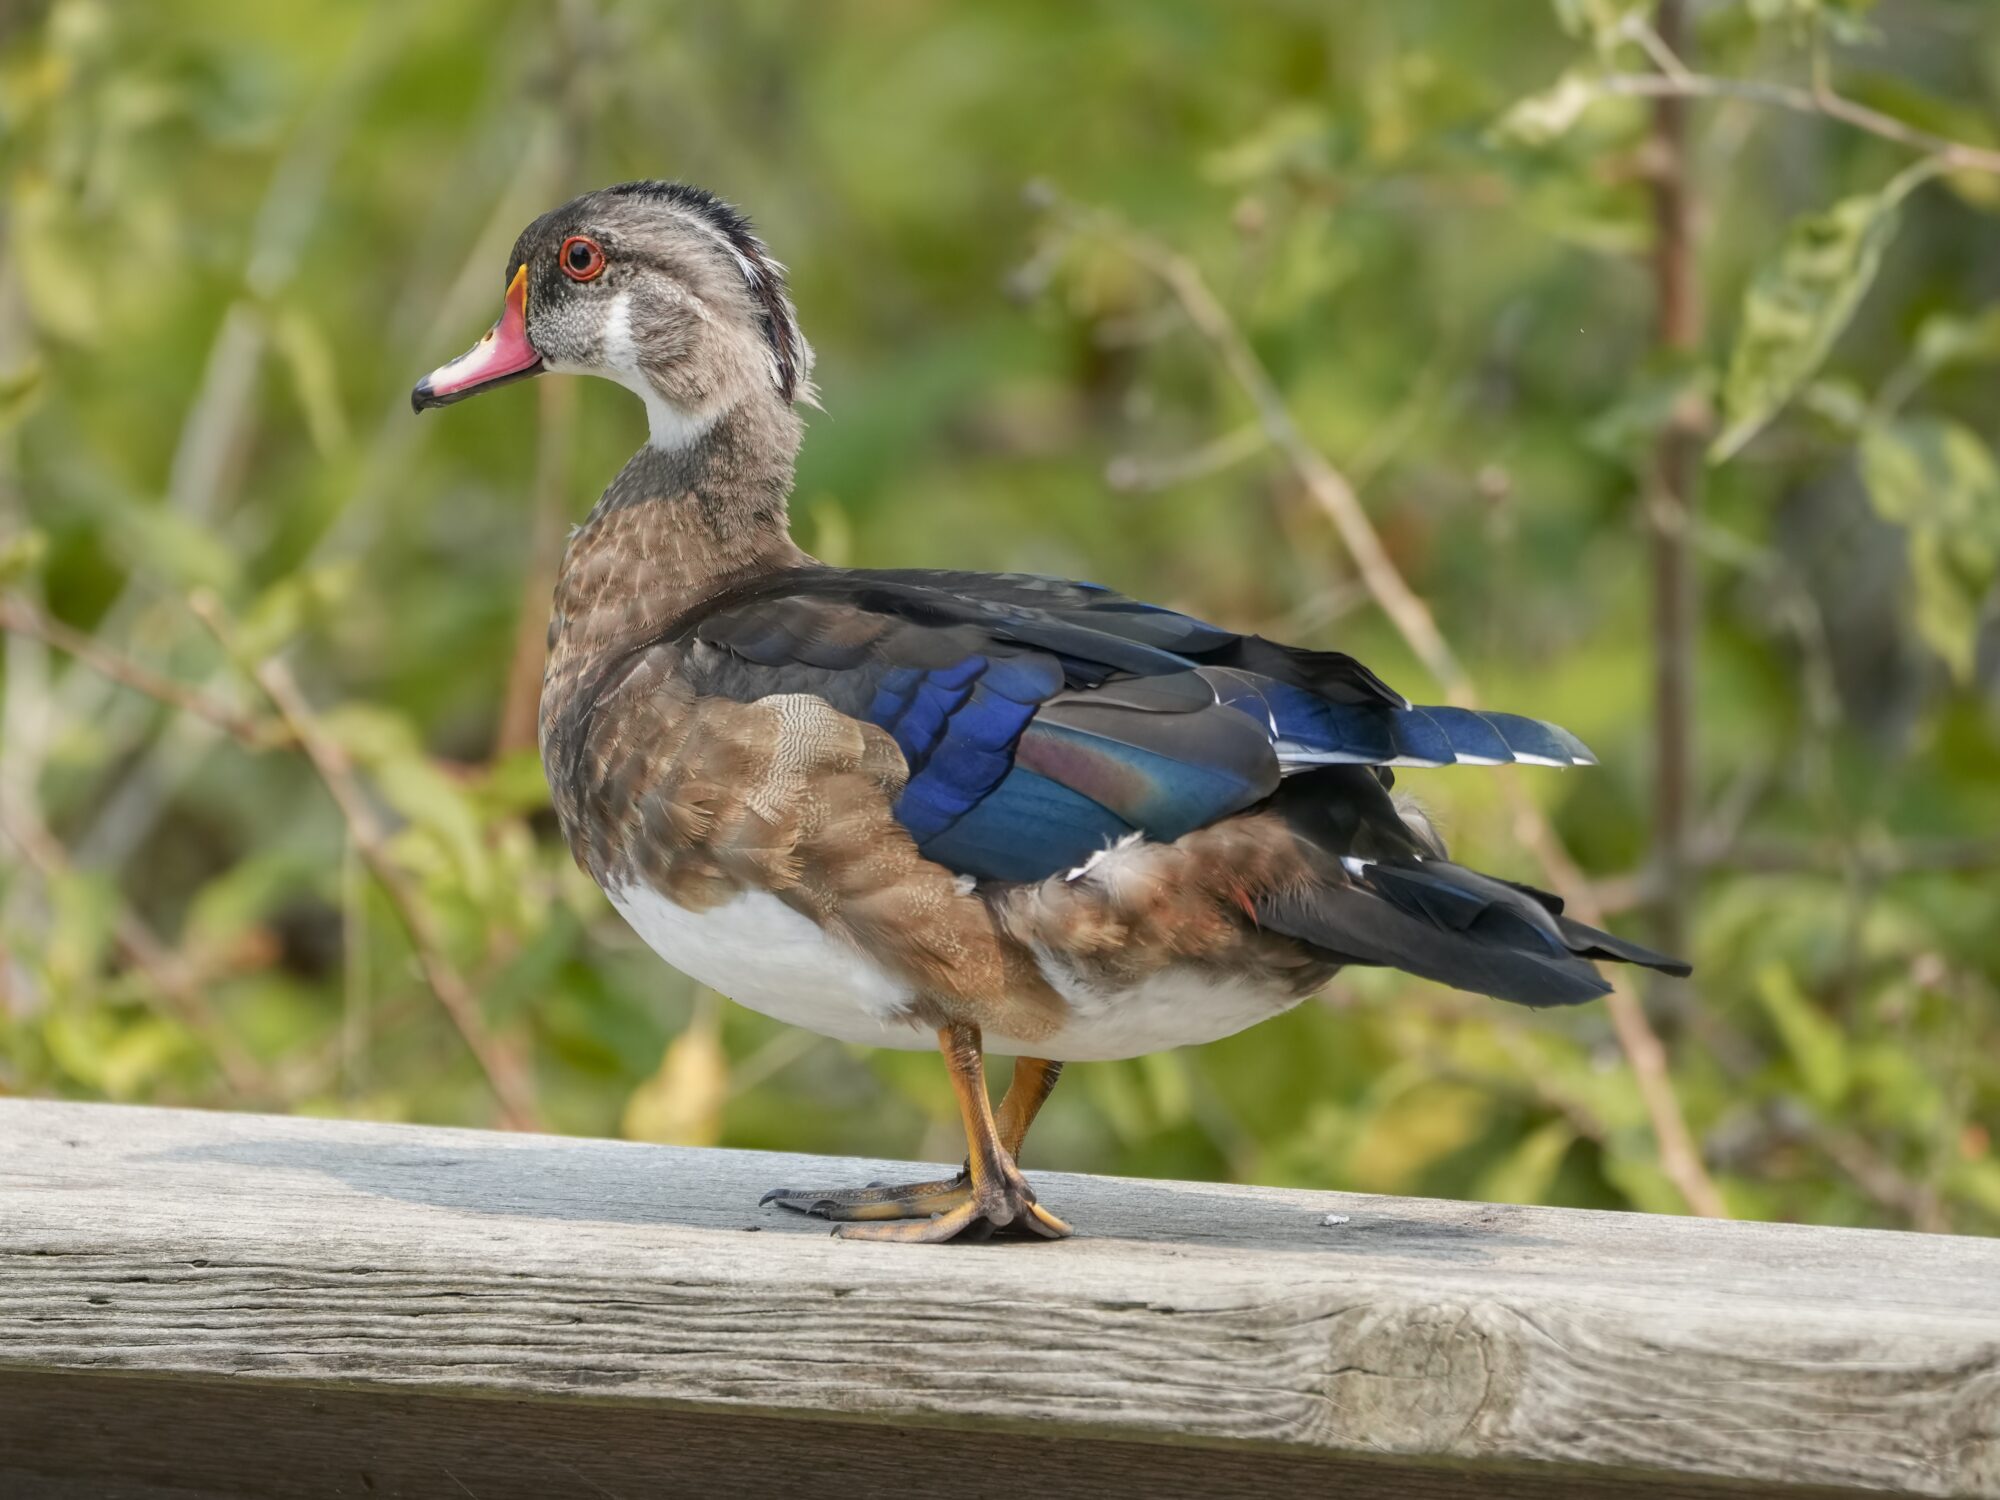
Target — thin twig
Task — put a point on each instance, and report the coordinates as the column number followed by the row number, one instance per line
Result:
column 1866, row 1167
column 520, row 709
column 1679, row 1157
column 1672, row 495
column 125, row 815
column 1129, row 473
column 1949, row 856
column 504, row 1073
column 1655, row 46
column 575, row 39
column 22, row 618
column 169, row 973
column 1953, row 155
column 1327, row 486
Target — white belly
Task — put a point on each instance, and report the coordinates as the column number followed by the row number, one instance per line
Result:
column 760, row 953
column 1175, row 1008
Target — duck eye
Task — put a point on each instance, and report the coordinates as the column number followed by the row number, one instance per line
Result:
column 581, row 258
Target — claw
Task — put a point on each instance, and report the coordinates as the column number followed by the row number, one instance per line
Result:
column 911, row 1200
column 926, row 1213
column 1007, row 1208
column 988, row 1196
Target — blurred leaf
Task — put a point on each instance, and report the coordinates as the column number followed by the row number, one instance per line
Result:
column 1797, row 307
column 1632, row 1163
column 75, row 1042
column 1978, row 1181
column 1951, row 581
column 1115, row 1091
column 227, row 909
column 1937, row 480
column 309, row 358
column 1602, row 21
column 1525, row 1174
column 1547, row 116
column 1898, row 1091
column 18, row 389
column 1166, row 1075
column 131, row 1057
column 1947, row 118
column 515, row 784
column 78, row 940
column 154, row 538
column 1416, row 1121
column 277, row 1014
column 56, row 280
column 1816, row 1046
column 1294, row 141
column 1839, row 403
column 1945, row 339
column 1628, row 430
column 1308, row 262
column 21, row 555
column 387, row 746
column 681, row 1104
column 1807, row 10
column 285, row 609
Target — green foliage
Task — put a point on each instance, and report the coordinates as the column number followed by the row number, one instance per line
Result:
column 1935, row 478
column 233, row 233
column 1545, row 117
column 1795, row 310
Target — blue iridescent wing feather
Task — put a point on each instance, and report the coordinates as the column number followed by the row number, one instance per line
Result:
column 1041, row 719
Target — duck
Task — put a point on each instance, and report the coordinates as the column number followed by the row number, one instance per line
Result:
column 982, row 812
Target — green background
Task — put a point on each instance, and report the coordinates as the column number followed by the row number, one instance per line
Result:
column 235, row 233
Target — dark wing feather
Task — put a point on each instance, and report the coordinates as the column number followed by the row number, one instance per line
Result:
column 1042, row 718
column 1383, row 897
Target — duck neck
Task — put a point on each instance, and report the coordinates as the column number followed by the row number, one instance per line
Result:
column 677, row 526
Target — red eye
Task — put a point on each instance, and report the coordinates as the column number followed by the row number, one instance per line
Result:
column 581, row 258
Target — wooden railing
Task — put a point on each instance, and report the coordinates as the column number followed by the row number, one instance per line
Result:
column 206, row 1304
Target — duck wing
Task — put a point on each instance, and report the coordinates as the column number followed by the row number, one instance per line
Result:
column 1043, row 719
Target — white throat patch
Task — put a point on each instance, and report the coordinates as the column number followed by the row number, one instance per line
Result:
column 670, row 427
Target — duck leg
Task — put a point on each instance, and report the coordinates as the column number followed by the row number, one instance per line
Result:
column 988, row 1193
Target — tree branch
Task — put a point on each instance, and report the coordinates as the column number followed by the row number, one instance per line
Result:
column 1820, row 100
column 1672, row 494
column 1330, row 489
column 1833, row 859
column 22, row 618
column 576, row 43
column 520, row 709
column 504, row 1072
column 169, row 973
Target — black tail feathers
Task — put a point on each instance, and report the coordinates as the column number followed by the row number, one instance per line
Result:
column 1443, row 922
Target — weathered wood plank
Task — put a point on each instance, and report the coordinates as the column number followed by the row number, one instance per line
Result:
column 122, row 1437
column 164, row 1242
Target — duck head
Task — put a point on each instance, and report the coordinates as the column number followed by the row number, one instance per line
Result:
column 659, row 286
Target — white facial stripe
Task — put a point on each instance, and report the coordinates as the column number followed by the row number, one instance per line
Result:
column 670, row 427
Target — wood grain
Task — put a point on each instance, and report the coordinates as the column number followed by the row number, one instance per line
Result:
column 123, row 1437
column 453, row 1263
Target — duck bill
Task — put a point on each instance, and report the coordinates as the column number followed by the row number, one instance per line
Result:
column 504, row 354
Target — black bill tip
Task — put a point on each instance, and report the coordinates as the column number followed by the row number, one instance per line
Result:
column 424, row 395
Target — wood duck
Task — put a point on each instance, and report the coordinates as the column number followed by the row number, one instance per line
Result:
column 986, row 812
